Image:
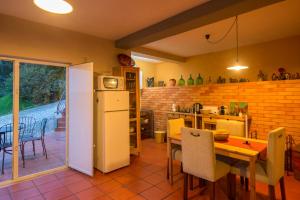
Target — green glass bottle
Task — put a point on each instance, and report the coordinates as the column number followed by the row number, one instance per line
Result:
column 199, row 80
column 190, row 80
column 181, row 81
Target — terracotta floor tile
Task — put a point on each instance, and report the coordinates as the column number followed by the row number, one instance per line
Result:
column 38, row 197
column 21, row 186
column 134, row 182
column 58, row 194
column 99, row 179
column 138, row 186
column 121, row 194
column 106, row 197
column 154, row 194
column 73, row 197
column 154, row 179
column 90, row 194
column 5, row 197
column 65, row 173
column 74, row 178
column 109, row 186
column 79, row 186
column 25, row 194
column 167, row 187
column 44, row 179
column 3, row 191
column 47, row 187
column 137, row 197
column 126, row 179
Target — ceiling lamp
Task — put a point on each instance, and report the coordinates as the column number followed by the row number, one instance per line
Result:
column 54, row 6
column 237, row 67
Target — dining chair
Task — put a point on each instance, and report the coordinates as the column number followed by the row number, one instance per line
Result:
column 271, row 170
column 174, row 127
column 37, row 134
column 235, row 128
column 199, row 158
column 6, row 141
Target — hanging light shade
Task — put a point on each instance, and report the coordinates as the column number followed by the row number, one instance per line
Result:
column 237, row 66
column 54, row 6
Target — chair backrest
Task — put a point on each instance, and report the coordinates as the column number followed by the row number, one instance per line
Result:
column 6, row 136
column 174, row 127
column 198, row 153
column 236, row 128
column 275, row 155
column 29, row 123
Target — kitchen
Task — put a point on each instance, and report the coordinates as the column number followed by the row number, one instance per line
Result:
column 179, row 74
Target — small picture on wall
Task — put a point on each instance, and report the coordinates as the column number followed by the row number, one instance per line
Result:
column 238, row 107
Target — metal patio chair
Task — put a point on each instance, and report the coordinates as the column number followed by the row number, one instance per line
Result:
column 6, row 141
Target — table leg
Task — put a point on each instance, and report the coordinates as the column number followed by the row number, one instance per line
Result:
column 252, row 179
column 170, row 163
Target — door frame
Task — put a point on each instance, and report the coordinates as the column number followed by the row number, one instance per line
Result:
column 16, row 88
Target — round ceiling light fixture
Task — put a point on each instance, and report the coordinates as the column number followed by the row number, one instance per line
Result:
column 54, row 6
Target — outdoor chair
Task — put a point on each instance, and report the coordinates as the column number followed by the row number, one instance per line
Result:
column 6, row 141
column 37, row 134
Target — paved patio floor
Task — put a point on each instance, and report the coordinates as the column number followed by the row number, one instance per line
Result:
column 56, row 148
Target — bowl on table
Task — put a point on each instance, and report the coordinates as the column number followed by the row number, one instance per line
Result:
column 221, row 135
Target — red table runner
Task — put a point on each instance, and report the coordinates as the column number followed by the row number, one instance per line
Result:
column 256, row 146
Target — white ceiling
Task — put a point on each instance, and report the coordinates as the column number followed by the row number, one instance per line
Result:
column 110, row 19
column 269, row 23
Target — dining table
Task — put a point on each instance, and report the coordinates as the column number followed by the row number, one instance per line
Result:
column 241, row 148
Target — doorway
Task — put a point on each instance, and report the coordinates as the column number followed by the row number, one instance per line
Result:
column 33, row 96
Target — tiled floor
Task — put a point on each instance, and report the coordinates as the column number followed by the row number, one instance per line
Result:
column 56, row 148
column 145, row 178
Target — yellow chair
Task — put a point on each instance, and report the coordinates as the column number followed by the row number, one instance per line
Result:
column 199, row 158
column 174, row 127
column 270, row 171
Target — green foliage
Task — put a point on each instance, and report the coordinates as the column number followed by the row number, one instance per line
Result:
column 39, row 85
column 6, row 105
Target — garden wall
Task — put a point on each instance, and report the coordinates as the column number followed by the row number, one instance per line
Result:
column 271, row 104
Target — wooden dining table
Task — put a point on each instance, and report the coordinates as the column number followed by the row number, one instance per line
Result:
column 234, row 147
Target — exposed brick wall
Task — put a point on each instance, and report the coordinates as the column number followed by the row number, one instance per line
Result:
column 272, row 104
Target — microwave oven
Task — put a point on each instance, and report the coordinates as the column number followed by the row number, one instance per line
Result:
column 110, row 83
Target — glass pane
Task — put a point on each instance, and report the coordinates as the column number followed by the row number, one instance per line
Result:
column 42, row 112
column 6, row 120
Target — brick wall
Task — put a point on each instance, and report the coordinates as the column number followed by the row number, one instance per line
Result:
column 271, row 104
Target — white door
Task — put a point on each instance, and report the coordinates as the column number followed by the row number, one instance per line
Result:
column 81, row 118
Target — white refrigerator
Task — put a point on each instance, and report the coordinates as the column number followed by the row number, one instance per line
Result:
column 111, row 131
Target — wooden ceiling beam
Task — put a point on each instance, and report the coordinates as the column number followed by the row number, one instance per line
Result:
column 204, row 14
column 158, row 54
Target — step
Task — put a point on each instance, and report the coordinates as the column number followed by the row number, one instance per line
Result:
column 60, row 129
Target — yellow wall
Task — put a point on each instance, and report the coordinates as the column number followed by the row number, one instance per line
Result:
column 23, row 38
column 266, row 56
column 148, row 70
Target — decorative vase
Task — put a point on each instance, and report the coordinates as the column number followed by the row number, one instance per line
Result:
column 181, row 81
column 199, row 80
column 190, row 81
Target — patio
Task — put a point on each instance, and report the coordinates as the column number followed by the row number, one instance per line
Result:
column 56, row 151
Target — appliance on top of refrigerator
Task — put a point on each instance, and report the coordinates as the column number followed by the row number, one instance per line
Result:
column 111, row 135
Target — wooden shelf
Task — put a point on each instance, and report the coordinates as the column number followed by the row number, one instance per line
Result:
column 132, row 83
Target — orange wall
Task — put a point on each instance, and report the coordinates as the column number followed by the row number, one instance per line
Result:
column 271, row 104
column 267, row 56
column 23, row 38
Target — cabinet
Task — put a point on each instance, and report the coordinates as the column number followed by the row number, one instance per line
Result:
column 147, row 124
column 132, row 84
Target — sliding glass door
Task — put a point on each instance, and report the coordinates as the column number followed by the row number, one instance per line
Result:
column 42, row 112
column 32, row 95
